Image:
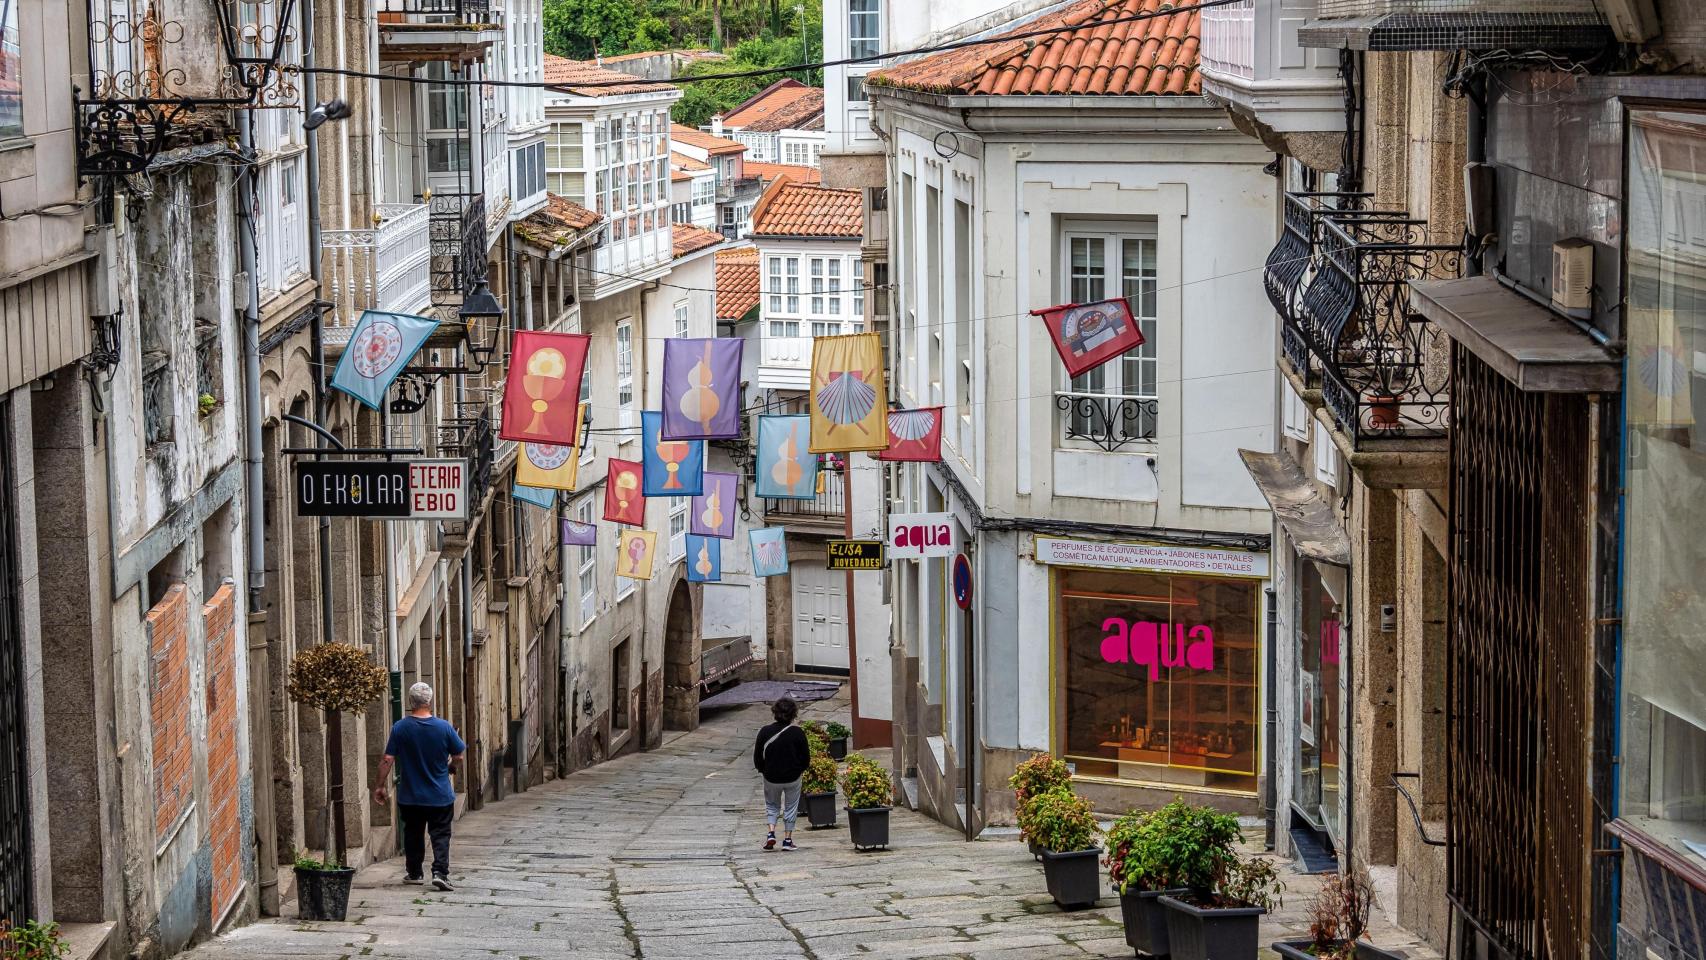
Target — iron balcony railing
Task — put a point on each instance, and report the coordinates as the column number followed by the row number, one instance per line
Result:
column 830, row 504
column 457, row 224
column 1385, row 370
column 1104, row 420
column 1339, row 278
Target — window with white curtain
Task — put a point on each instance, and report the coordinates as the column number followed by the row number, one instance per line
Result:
column 864, row 28
column 1099, row 264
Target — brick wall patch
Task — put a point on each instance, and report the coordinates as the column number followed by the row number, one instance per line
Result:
column 225, row 830
column 169, row 706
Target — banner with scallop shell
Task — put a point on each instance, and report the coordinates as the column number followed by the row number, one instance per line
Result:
column 543, row 389
column 701, row 389
column 848, row 395
column 769, row 551
column 624, row 501
column 704, row 559
column 713, row 512
column 914, row 435
column 786, row 471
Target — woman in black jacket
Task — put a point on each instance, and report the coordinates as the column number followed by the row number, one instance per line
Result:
column 782, row 754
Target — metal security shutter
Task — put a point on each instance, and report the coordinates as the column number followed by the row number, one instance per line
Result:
column 14, row 816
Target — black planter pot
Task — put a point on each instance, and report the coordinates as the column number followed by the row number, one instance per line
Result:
column 323, row 894
column 820, row 809
column 1211, row 933
column 1146, row 920
column 869, row 827
column 838, row 748
column 1074, row 877
column 1299, row 950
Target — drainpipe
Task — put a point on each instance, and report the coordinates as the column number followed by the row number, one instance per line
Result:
column 1270, row 739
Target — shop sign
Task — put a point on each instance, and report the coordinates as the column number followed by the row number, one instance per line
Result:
column 855, row 554
column 921, row 535
column 383, row 489
column 1149, row 556
column 1158, row 645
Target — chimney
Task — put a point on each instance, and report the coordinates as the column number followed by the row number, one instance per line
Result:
column 717, row 125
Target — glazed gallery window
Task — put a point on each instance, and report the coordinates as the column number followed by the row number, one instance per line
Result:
column 1100, row 264
column 447, row 121
column 1156, row 677
column 11, row 72
column 1664, row 650
column 864, row 28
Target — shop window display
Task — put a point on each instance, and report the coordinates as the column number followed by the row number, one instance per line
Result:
column 1157, row 677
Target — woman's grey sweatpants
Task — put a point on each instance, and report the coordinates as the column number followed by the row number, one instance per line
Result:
column 782, row 801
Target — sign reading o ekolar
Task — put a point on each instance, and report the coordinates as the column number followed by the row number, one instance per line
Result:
column 914, row 536
column 383, row 489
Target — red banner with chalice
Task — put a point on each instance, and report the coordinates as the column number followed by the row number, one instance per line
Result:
column 543, row 388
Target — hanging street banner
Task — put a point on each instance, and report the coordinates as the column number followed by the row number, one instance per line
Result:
column 543, row 389
column 849, row 400
column 634, row 549
column 914, row 435
column 379, row 347
column 541, row 497
column 785, row 470
column 623, row 501
column 701, row 389
column 548, row 466
column 383, row 489
column 704, row 559
column 672, row 468
column 713, row 512
column 855, row 555
column 916, row 536
column 769, row 551
column 577, row 534
column 1087, row 335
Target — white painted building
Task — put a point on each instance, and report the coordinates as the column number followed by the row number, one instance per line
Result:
column 1114, row 497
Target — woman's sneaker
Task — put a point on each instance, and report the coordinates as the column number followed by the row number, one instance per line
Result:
column 788, row 845
column 770, row 842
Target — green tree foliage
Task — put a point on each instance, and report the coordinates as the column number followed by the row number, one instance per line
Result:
column 755, row 34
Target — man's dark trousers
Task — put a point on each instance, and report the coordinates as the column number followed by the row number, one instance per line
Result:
column 434, row 820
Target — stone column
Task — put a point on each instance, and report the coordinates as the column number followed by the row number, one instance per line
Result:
column 1372, row 701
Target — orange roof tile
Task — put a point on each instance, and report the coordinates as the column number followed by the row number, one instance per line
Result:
column 558, row 221
column 1142, row 57
column 704, row 141
column 691, row 239
column 566, row 73
column 779, row 96
column 770, row 171
column 789, row 209
column 737, row 282
column 804, row 112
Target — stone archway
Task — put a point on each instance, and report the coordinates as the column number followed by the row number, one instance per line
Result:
column 680, row 662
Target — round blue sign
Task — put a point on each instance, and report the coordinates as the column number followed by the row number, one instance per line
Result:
column 962, row 581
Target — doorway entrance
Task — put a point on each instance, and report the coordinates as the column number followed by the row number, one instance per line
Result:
column 820, row 618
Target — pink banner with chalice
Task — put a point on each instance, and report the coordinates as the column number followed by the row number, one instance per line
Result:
column 543, row 387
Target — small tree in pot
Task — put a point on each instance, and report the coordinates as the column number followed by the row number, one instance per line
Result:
column 1169, row 851
column 817, row 791
column 1066, row 830
column 838, row 734
column 336, row 678
column 1223, row 923
column 1338, row 917
column 868, row 791
column 1038, row 775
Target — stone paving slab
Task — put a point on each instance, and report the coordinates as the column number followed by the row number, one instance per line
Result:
column 656, row 856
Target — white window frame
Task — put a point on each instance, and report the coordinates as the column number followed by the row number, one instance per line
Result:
column 681, row 319
column 587, row 570
column 864, row 28
column 678, row 528
column 627, row 417
column 1295, row 421
column 1110, row 379
column 456, row 103
column 1326, row 457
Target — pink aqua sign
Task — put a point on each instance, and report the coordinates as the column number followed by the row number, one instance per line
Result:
column 1158, row 645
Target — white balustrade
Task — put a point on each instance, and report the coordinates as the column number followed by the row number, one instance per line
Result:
column 385, row 268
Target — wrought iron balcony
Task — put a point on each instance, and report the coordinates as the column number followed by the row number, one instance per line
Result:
column 1106, row 420
column 829, row 507
column 1385, row 371
column 1291, row 266
column 458, row 230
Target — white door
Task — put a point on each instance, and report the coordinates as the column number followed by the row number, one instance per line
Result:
column 820, row 617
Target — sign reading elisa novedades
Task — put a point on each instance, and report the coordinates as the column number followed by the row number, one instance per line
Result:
column 383, row 489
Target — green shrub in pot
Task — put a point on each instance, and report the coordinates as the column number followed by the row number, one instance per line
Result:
column 1062, row 822
column 1040, row 774
column 817, row 791
column 868, row 790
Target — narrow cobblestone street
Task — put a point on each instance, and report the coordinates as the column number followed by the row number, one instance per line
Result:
column 656, row 856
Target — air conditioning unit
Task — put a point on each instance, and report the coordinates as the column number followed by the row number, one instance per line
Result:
column 1572, row 278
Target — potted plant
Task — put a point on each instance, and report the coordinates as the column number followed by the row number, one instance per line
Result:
column 1165, row 852
column 817, row 792
column 336, row 678
column 1040, row 774
column 1064, row 827
column 816, row 740
column 1223, row 923
column 34, row 940
column 868, row 791
column 838, row 734
column 1338, row 916
column 322, row 888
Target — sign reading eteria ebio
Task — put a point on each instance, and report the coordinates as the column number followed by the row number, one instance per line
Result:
column 914, row 536
column 1151, row 556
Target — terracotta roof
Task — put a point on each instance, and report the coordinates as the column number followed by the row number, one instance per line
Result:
column 1155, row 56
column 770, row 171
column 766, row 103
column 691, row 239
column 703, row 140
column 560, row 71
column 682, row 167
column 557, row 222
column 790, row 209
column 800, row 113
column 737, row 282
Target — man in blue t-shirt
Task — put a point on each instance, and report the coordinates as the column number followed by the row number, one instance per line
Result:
column 423, row 748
